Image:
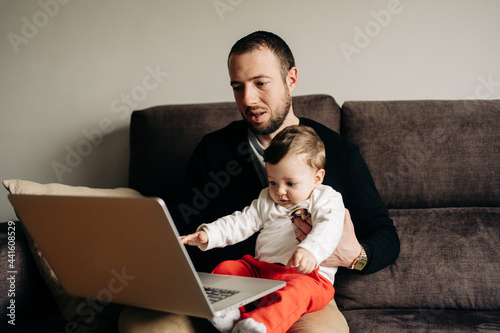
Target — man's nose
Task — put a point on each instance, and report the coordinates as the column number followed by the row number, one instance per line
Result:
column 250, row 96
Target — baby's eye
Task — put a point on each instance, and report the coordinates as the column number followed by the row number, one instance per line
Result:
column 290, row 184
column 272, row 183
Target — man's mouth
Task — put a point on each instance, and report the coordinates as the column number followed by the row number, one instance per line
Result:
column 256, row 117
column 255, row 114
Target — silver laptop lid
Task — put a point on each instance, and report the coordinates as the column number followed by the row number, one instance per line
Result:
column 134, row 258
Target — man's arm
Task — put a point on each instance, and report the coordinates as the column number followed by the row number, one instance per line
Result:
column 373, row 227
column 327, row 215
column 347, row 172
column 218, row 168
column 346, row 251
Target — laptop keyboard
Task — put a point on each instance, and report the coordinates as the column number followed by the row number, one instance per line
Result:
column 218, row 294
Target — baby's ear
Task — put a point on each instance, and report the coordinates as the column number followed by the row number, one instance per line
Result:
column 319, row 176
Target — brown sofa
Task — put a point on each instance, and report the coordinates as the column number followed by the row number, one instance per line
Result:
column 437, row 167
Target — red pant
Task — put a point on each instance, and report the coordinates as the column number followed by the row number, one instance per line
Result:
column 302, row 294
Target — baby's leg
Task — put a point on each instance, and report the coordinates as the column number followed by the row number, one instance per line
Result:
column 302, row 294
column 226, row 321
column 235, row 267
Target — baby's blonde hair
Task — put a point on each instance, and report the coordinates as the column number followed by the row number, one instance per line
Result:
column 297, row 139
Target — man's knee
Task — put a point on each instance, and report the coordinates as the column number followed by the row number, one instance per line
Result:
column 329, row 319
column 137, row 320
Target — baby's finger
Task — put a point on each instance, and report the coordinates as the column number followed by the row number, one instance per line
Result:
column 292, row 262
column 187, row 239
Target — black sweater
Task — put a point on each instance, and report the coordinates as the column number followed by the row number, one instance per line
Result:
column 221, row 179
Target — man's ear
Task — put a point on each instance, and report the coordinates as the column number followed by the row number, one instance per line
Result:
column 292, row 79
column 319, row 176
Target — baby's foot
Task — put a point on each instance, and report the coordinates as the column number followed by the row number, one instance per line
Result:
column 226, row 321
column 249, row 325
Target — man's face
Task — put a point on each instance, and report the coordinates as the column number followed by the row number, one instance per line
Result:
column 263, row 99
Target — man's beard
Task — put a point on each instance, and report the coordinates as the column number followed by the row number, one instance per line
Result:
column 277, row 118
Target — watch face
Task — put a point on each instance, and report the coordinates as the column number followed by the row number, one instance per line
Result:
column 360, row 264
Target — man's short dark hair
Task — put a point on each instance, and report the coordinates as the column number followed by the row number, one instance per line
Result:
column 274, row 43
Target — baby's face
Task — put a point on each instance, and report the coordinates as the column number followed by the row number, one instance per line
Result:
column 292, row 180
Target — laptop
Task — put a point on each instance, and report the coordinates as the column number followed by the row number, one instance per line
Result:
column 127, row 251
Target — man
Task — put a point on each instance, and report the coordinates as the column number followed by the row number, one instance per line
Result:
column 263, row 76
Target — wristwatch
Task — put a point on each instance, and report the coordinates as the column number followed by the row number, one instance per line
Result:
column 361, row 261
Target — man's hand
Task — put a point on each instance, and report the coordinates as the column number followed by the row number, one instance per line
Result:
column 348, row 248
column 302, row 260
column 199, row 238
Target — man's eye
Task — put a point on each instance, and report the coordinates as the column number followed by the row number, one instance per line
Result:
column 262, row 83
column 237, row 88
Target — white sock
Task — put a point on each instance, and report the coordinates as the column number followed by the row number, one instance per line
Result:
column 226, row 321
column 249, row 325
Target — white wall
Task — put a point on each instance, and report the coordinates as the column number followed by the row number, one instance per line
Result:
column 67, row 67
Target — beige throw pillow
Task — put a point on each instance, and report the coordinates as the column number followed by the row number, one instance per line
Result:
column 18, row 186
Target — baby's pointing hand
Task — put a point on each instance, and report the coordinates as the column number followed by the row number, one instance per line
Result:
column 199, row 238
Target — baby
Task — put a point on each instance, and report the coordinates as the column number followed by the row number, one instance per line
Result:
column 294, row 163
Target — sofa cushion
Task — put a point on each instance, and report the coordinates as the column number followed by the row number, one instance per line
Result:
column 421, row 320
column 447, row 261
column 429, row 153
column 162, row 138
column 75, row 310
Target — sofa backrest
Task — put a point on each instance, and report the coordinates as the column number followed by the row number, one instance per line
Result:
column 162, row 138
column 426, row 154
column 436, row 164
column 422, row 154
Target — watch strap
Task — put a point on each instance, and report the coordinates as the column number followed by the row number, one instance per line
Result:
column 361, row 261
